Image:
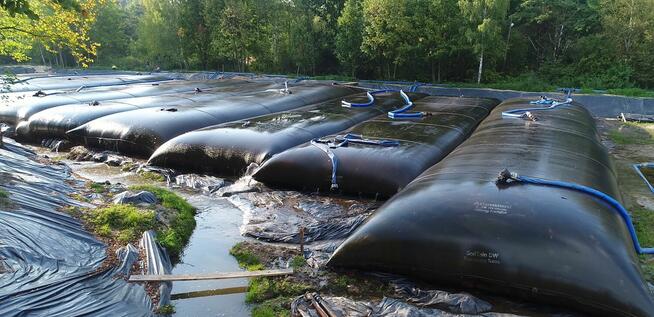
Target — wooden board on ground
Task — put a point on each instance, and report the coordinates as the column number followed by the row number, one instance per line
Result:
column 634, row 117
column 213, row 276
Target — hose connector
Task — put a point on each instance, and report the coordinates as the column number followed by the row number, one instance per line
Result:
column 506, row 177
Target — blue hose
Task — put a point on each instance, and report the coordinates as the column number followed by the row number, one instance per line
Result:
column 402, row 112
column 595, row 193
column 326, row 146
column 395, row 114
column 371, row 99
column 519, row 113
column 640, row 173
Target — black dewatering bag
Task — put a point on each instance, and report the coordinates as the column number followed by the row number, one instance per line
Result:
column 56, row 121
column 380, row 156
column 228, row 149
column 455, row 225
column 77, row 81
column 141, row 132
column 22, row 110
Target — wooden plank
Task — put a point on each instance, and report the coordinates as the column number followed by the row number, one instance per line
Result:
column 213, row 276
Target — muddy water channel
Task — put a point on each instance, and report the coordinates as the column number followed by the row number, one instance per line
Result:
column 217, row 230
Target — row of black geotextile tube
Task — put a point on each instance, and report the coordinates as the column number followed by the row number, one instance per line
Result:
column 456, row 225
column 22, row 109
column 378, row 157
column 140, row 132
column 450, row 221
column 228, row 149
column 54, row 122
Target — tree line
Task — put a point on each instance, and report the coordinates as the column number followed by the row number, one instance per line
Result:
column 600, row 44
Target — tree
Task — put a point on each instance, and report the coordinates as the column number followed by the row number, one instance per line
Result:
column 439, row 21
column 485, row 19
column 111, row 29
column 553, row 26
column 55, row 24
column 629, row 28
column 388, row 35
column 350, row 35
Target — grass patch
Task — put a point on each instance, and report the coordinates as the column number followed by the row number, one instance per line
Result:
column 168, row 309
column 152, row 176
column 633, row 133
column 245, row 258
column 5, row 200
column 262, row 289
column 278, row 307
column 125, row 222
column 298, row 261
column 97, row 187
column 631, row 92
column 175, row 237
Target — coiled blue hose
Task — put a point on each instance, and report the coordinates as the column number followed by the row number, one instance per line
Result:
column 340, row 141
column 402, row 112
column 519, row 113
column 371, row 99
column 593, row 192
column 640, row 173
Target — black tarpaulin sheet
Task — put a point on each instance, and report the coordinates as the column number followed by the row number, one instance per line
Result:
column 49, row 264
column 376, row 170
column 453, row 225
column 228, row 149
column 21, row 110
column 56, row 121
column 141, row 132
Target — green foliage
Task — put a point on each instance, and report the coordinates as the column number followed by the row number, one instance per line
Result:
column 126, row 220
column 5, row 200
column 246, row 258
column 175, row 237
column 168, row 309
column 152, row 176
column 633, row 133
column 97, row 187
column 263, row 288
column 298, row 261
column 278, row 307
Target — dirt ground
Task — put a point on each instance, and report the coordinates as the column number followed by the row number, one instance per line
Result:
column 632, row 143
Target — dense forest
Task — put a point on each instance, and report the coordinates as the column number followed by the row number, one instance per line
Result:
column 599, row 44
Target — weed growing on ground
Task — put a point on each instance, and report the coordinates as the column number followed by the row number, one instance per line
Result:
column 245, row 258
column 5, row 200
column 633, row 133
column 125, row 221
column 278, row 307
column 175, row 237
column 298, row 261
column 262, row 289
column 168, row 309
column 152, row 176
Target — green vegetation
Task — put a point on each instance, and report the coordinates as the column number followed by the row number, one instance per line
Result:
column 298, row 261
column 176, row 236
column 168, row 309
column 97, row 187
column 126, row 222
column 152, row 176
column 633, row 133
column 262, row 289
column 246, row 258
column 532, row 45
column 5, row 200
column 278, row 307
